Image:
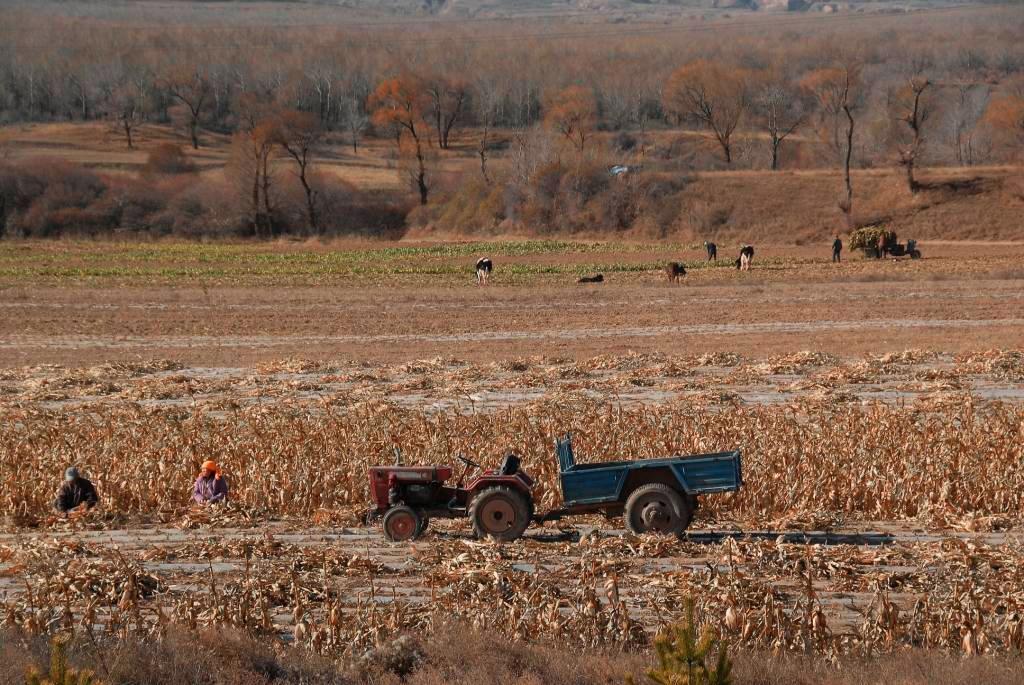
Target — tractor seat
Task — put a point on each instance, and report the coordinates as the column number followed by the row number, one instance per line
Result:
column 509, row 465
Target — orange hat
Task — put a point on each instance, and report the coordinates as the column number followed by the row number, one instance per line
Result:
column 211, row 465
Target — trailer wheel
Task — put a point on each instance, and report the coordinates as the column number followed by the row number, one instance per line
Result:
column 402, row 523
column 500, row 513
column 656, row 508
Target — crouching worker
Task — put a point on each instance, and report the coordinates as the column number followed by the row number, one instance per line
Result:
column 211, row 487
column 75, row 492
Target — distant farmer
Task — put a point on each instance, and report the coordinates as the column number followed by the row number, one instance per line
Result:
column 75, row 491
column 712, row 251
column 837, row 250
column 484, row 266
column 211, row 487
column 880, row 247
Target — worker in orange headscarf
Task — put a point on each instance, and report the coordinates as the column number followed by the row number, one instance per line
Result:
column 211, row 487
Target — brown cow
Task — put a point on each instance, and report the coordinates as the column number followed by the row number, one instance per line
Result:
column 673, row 270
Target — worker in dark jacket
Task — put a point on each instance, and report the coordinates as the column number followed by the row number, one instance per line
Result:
column 75, row 491
column 837, row 249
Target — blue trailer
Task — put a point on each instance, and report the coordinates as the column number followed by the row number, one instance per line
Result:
column 652, row 495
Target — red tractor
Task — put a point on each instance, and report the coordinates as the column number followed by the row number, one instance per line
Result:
column 498, row 501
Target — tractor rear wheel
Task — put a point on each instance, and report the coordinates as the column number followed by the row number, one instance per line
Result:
column 656, row 508
column 500, row 513
column 402, row 523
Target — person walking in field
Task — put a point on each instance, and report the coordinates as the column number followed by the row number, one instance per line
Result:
column 75, row 492
column 712, row 250
column 837, row 250
column 210, row 487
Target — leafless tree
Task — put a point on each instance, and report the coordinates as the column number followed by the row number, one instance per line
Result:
column 780, row 114
column 355, row 119
column 911, row 107
column 838, row 92
column 712, row 94
column 970, row 101
column 447, row 101
column 125, row 103
column 487, row 103
column 192, row 88
column 299, row 134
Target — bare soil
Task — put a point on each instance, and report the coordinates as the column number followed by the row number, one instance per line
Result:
column 960, row 297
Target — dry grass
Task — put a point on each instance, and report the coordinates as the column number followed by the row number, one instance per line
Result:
column 459, row 655
column 765, row 207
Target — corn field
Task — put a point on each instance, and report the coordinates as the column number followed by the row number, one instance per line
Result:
column 814, row 463
column 949, row 462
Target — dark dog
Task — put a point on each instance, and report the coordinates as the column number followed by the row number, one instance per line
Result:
column 484, row 266
column 712, row 251
column 746, row 258
column 596, row 278
column 673, row 270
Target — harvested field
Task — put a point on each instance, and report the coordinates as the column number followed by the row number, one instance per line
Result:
column 878, row 405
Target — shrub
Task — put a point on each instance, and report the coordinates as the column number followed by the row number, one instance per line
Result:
column 60, row 672
column 168, row 158
column 683, row 656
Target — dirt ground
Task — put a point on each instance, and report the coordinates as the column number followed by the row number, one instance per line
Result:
column 394, row 309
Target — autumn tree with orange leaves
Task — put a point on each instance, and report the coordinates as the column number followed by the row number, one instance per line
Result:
column 398, row 104
column 572, row 113
column 1006, row 116
column 712, row 94
column 250, row 166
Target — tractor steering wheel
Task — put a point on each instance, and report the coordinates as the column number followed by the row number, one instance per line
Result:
column 468, row 462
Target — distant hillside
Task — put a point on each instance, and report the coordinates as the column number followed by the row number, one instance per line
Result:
column 307, row 11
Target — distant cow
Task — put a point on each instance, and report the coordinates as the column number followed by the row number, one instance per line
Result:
column 745, row 258
column 712, row 251
column 484, row 266
column 673, row 270
column 596, row 278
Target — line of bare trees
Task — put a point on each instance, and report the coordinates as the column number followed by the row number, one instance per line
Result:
column 62, row 69
column 930, row 93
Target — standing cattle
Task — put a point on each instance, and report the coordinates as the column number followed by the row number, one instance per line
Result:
column 746, row 258
column 712, row 251
column 673, row 270
column 484, row 266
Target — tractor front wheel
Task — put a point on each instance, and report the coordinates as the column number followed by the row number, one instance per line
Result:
column 500, row 513
column 402, row 523
column 657, row 508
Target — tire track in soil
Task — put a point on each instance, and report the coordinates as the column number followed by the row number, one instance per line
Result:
column 68, row 342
